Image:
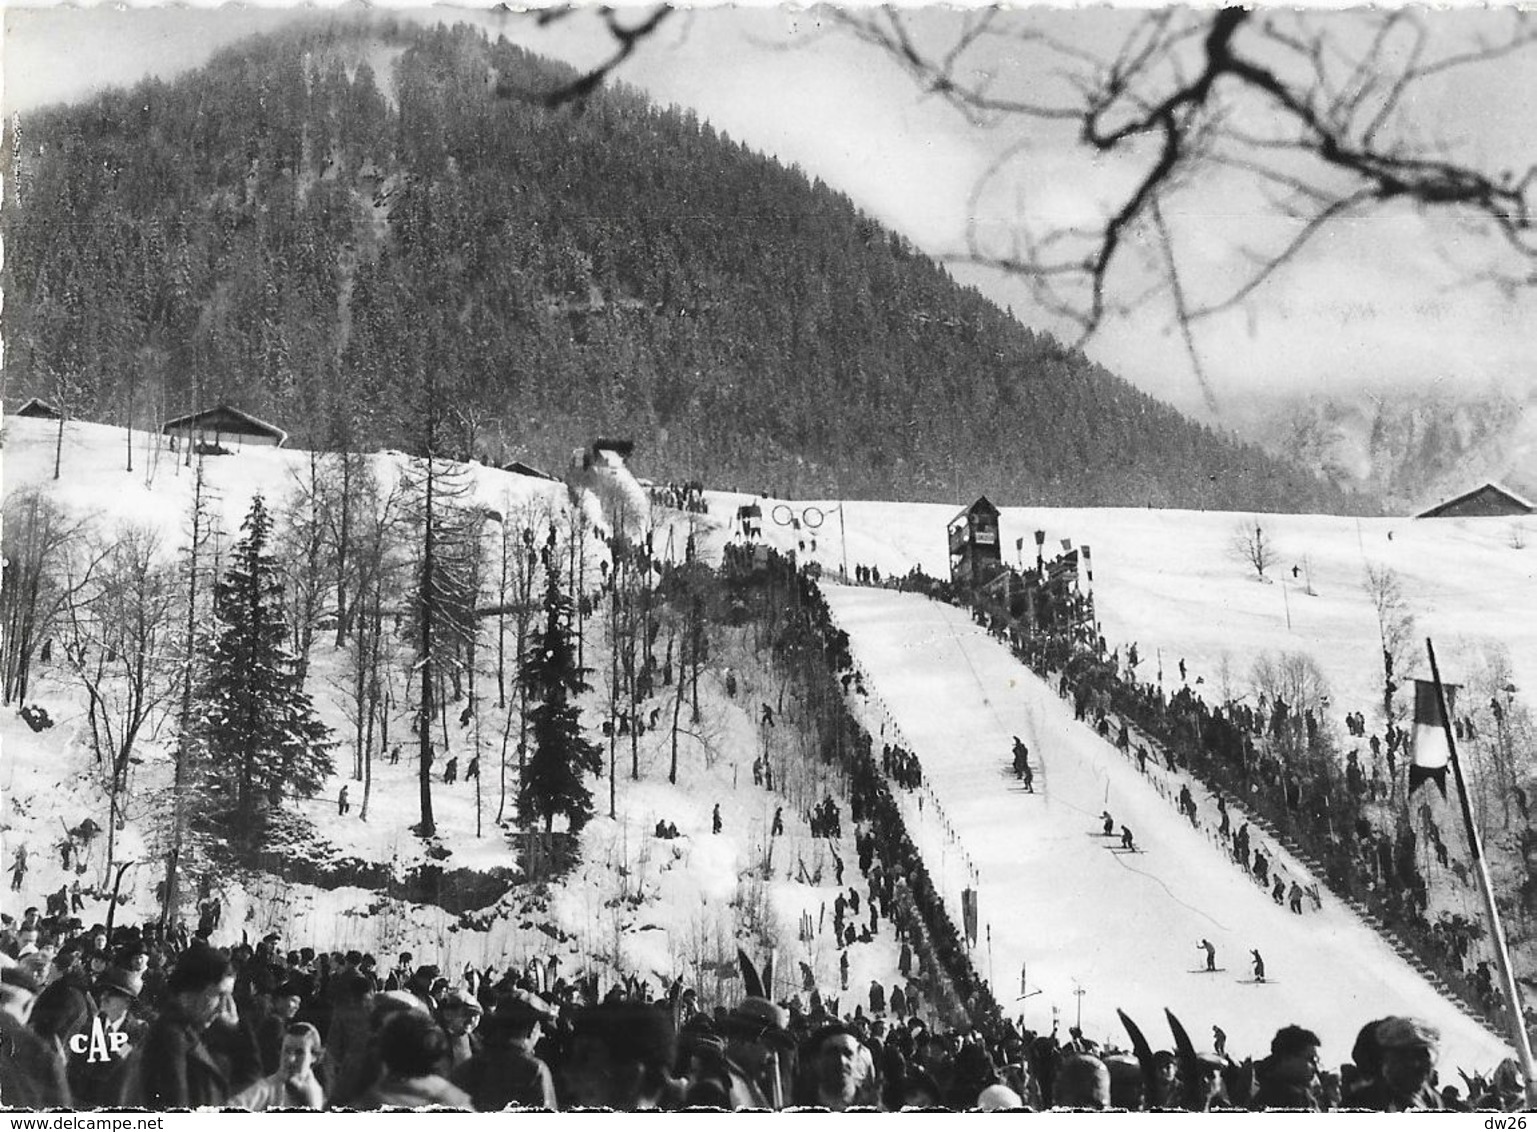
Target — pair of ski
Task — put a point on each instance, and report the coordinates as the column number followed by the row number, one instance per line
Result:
column 1220, row 970
column 1117, row 847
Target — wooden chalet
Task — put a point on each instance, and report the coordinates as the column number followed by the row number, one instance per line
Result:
column 519, row 468
column 38, row 409
column 1486, row 501
column 223, row 427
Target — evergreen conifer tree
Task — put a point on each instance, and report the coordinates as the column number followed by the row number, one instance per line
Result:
column 258, row 728
column 551, row 783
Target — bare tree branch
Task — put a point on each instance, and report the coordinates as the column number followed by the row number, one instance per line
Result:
column 1318, row 105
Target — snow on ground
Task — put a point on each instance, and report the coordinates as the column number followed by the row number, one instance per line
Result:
column 1164, row 579
column 1167, row 580
column 636, row 903
column 1073, row 910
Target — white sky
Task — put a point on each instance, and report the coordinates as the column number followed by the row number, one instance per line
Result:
column 1386, row 301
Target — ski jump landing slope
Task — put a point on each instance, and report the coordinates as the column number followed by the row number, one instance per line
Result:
column 1080, row 914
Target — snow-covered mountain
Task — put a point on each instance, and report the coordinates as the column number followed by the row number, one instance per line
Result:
column 1412, row 450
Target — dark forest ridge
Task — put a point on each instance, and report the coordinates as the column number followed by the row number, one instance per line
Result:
column 334, row 226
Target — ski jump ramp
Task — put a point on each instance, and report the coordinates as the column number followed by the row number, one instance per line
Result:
column 1072, row 908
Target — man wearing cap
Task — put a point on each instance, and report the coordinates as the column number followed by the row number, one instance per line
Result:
column 757, row 1034
column 459, row 1015
column 97, row 1083
column 506, row 1071
column 1407, row 1048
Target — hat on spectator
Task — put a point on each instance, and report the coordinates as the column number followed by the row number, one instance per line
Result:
column 199, row 966
column 1081, row 1081
column 461, row 999
column 1402, row 1033
column 18, row 977
column 115, row 980
column 521, row 1006
column 632, row 1031
column 389, row 1002
column 758, row 1019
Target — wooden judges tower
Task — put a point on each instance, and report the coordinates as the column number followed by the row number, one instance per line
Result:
column 976, row 555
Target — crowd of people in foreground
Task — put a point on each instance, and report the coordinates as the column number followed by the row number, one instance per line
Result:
column 259, row 1029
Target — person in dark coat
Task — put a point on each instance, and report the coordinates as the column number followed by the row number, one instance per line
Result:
column 877, row 998
column 757, row 1037
column 98, row 1084
column 505, row 1071
column 176, row 1068
column 271, row 1030
column 618, row 1057
column 32, row 1074
column 411, row 1046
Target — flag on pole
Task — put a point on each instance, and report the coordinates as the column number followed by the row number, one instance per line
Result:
column 1431, row 753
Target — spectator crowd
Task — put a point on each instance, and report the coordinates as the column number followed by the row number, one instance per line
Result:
column 260, row 1028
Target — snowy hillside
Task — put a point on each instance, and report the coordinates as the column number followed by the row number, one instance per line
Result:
column 1059, row 903
column 637, row 904
column 1411, row 452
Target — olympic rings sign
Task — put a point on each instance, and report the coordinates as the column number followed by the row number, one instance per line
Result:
column 811, row 517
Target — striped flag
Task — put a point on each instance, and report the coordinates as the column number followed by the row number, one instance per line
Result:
column 1431, row 753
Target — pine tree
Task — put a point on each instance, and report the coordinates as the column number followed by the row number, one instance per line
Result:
column 260, row 732
column 551, row 783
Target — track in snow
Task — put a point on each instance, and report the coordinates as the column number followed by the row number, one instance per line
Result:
column 1121, row 928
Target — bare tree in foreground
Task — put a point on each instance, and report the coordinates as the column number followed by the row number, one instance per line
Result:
column 1321, row 111
column 1324, row 113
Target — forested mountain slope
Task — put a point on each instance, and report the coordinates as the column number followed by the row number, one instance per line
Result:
column 379, row 236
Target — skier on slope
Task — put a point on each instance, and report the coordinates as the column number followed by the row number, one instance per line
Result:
column 1211, row 953
column 1127, row 841
column 1109, row 823
column 1259, row 965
